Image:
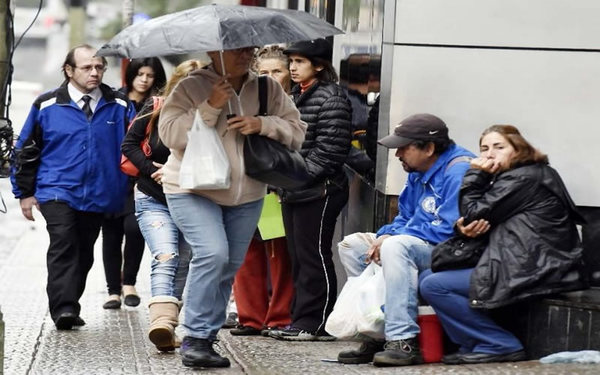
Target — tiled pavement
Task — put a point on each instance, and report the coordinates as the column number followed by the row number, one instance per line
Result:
column 114, row 342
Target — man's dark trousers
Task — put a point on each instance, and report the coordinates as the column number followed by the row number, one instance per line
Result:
column 70, row 254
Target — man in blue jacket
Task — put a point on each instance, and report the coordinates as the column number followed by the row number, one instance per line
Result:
column 428, row 208
column 66, row 164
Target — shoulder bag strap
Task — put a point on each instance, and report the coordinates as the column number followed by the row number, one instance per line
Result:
column 262, row 95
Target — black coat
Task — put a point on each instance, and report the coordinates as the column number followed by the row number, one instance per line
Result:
column 534, row 247
column 328, row 113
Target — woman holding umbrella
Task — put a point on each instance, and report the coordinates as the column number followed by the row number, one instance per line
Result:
column 310, row 214
column 266, row 260
column 219, row 224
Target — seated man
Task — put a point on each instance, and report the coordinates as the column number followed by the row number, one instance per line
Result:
column 428, row 208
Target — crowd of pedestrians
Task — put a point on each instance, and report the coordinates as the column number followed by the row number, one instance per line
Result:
column 205, row 243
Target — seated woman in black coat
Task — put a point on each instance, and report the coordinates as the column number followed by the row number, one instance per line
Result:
column 518, row 205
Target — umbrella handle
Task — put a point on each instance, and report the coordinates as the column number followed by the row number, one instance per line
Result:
column 223, row 72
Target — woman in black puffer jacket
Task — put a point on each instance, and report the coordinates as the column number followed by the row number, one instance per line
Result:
column 310, row 214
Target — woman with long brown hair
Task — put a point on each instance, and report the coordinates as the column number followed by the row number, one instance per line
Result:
column 517, row 205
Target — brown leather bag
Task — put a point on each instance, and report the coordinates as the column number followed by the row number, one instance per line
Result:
column 127, row 166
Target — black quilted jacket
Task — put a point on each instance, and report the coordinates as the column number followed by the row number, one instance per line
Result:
column 328, row 113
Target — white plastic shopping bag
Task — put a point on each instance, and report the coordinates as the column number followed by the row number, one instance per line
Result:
column 370, row 299
column 342, row 322
column 205, row 164
column 358, row 307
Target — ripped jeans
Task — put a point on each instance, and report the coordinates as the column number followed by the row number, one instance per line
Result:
column 170, row 253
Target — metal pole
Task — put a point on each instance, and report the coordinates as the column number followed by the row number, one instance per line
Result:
column 5, row 39
column 76, row 23
column 127, row 9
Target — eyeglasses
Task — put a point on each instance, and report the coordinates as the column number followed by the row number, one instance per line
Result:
column 88, row 68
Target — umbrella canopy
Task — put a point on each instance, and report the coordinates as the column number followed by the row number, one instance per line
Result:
column 216, row 28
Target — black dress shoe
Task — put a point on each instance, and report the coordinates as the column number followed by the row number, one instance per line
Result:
column 471, row 358
column 245, row 331
column 65, row 321
column 78, row 322
column 452, row 359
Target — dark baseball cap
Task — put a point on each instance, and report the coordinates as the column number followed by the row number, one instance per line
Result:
column 319, row 48
column 419, row 127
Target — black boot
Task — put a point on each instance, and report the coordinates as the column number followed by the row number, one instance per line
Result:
column 364, row 354
column 200, row 353
column 399, row 353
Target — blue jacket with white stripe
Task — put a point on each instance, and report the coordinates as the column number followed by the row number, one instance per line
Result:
column 61, row 156
column 428, row 204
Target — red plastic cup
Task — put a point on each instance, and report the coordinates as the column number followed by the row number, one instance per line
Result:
column 431, row 336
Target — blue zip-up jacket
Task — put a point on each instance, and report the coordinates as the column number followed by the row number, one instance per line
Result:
column 61, row 156
column 428, row 204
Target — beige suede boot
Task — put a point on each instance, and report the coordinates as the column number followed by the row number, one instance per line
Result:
column 164, row 312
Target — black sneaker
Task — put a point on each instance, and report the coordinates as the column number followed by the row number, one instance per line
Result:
column 399, row 353
column 200, row 353
column 364, row 354
column 266, row 332
column 297, row 334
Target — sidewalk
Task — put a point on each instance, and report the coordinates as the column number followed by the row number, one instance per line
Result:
column 114, row 342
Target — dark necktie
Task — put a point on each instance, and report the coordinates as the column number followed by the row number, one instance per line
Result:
column 87, row 109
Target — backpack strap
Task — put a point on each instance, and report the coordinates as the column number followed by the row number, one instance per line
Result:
column 458, row 159
column 262, row 95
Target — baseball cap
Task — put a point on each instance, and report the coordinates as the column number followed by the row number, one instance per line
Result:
column 419, row 127
column 319, row 48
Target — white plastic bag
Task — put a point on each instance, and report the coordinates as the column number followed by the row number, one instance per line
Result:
column 369, row 301
column 358, row 307
column 342, row 322
column 205, row 164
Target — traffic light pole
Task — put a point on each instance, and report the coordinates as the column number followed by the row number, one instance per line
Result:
column 6, row 40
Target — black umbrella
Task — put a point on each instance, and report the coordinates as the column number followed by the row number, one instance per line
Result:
column 216, row 28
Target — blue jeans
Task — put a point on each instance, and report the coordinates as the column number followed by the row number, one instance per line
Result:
column 448, row 293
column 167, row 277
column 219, row 237
column 402, row 258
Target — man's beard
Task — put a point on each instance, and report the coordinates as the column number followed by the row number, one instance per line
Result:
column 408, row 168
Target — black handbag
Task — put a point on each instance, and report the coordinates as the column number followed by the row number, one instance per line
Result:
column 269, row 161
column 458, row 253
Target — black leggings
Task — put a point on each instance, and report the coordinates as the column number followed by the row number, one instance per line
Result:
column 113, row 230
